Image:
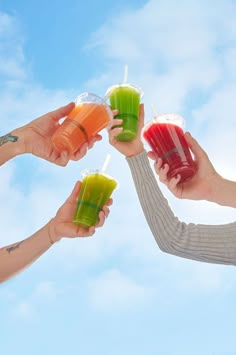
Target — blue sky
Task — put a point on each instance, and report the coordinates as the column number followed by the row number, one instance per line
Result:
column 115, row 293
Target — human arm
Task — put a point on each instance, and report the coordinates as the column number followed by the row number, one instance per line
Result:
column 207, row 243
column 16, row 257
column 35, row 138
column 206, row 184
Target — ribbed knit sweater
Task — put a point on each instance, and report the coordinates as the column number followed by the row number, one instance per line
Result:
column 207, row 243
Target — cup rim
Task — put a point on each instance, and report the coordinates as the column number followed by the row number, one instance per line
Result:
column 137, row 88
column 102, row 102
column 173, row 118
column 87, row 172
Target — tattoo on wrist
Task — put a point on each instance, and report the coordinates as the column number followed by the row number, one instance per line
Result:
column 13, row 247
column 8, row 138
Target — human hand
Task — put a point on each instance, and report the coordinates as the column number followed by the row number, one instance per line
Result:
column 62, row 226
column 133, row 147
column 201, row 185
column 37, row 137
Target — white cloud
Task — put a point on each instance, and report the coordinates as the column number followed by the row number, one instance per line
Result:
column 113, row 291
column 12, row 62
column 42, row 295
column 24, row 310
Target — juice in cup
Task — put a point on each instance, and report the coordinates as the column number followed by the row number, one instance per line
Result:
column 95, row 191
column 90, row 115
column 165, row 136
column 126, row 98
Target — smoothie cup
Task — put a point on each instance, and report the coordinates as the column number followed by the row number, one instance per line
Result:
column 126, row 98
column 90, row 115
column 95, row 191
column 165, row 136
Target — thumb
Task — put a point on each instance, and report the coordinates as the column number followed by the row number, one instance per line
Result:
column 197, row 150
column 141, row 116
column 62, row 111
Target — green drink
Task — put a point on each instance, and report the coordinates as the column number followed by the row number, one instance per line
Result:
column 126, row 98
column 95, row 191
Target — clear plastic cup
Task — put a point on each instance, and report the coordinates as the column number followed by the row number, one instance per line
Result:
column 126, row 98
column 165, row 136
column 96, row 189
column 90, row 115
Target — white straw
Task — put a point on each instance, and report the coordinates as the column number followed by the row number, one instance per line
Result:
column 126, row 74
column 154, row 110
column 106, row 162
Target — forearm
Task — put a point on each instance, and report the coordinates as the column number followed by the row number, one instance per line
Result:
column 215, row 244
column 223, row 192
column 11, row 145
column 18, row 256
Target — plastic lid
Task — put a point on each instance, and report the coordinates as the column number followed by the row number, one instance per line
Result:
column 172, row 118
column 110, row 89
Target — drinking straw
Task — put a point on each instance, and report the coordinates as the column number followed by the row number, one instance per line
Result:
column 125, row 74
column 106, row 162
column 154, row 110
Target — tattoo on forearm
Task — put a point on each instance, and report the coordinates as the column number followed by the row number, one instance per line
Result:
column 13, row 247
column 7, row 138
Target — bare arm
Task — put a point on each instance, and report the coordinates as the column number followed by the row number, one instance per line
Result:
column 16, row 257
column 35, row 138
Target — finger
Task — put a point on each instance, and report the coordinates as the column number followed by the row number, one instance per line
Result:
column 194, row 146
column 163, row 173
column 64, row 158
column 98, row 137
column 106, row 210
column 109, row 202
column 62, row 111
column 115, row 112
column 102, row 218
column 152, row 155
column 158, row 164
column 80, row 153
column 93, row 140
column 115, row 122
column 83, row 233
column 141, row 116
column 114, row 132
column 172, row 185
column 61, row 161
column 86, row 233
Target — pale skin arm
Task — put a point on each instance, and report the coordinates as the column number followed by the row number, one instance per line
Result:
column 16, row 257
column 35, row 138
column 207, row 184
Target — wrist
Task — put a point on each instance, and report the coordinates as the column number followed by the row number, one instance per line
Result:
column 19, row 145
column 52, row 235
column 137, row 151
column 216, row 186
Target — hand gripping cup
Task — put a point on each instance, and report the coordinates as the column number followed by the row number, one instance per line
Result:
column 126, row 98
column 90, row 115
column 95, row 191
column 165, row 136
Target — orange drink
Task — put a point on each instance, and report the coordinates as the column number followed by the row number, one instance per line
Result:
column 90, row 115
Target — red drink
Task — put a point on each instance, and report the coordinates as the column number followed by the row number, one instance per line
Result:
column 166, row 138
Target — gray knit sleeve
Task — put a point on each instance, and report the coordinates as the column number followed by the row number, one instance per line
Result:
column 208, row 243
